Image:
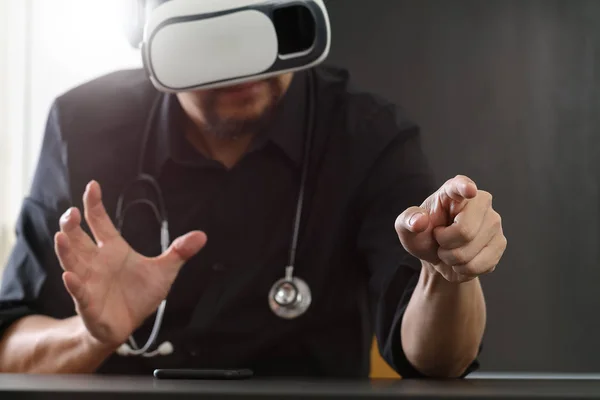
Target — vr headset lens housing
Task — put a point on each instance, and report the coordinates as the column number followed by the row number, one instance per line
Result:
column 192, row 44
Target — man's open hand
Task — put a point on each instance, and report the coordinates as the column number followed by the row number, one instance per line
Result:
column 114, row 288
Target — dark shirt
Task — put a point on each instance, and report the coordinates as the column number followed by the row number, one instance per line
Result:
column 366, row 167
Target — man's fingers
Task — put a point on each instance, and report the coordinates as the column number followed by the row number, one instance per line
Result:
column 76, row 289
column 459, row 188
column 96, row 216
column 70, row 220
column 182, row 249
column 487, row 259
column 413, row 231
column 412, row 221
column 70, row 224
column 467, row 223
column 68, row 259
column 464, row 254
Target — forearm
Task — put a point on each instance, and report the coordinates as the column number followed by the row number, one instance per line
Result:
column 443, row 325
column 38, row 344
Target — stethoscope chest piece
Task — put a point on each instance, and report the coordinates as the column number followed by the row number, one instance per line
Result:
column 289, row 297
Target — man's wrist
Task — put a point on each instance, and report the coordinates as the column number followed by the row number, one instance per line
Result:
column 433, row 282
column 91, row 343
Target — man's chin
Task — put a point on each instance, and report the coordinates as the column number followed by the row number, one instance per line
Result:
column 244, row 106
column 241, row 122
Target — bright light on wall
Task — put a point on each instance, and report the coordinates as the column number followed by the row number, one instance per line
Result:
column 84, row 37
column 46, row 48
column 72, row 41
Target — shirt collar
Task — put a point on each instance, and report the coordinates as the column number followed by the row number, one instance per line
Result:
column 286, row 130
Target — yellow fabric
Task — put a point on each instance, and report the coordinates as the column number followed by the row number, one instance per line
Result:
column 380, row 368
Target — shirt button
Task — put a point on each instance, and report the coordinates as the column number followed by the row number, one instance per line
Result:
column 218, row 267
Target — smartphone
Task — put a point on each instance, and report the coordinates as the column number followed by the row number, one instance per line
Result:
column 216, row 374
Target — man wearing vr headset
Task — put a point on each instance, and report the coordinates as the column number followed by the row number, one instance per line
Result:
column 225, row 132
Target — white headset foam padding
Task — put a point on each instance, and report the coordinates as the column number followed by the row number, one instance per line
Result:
column 192, row 53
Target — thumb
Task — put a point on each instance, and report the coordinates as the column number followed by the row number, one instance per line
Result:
column 182, row 249
column 412, row 221
column 413, row 231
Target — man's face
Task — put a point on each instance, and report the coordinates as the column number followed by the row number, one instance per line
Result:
column 231, row 111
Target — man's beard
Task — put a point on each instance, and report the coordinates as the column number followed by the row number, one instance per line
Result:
column 234, row 128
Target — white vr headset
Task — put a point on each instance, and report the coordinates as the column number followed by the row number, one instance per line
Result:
column 193, row 44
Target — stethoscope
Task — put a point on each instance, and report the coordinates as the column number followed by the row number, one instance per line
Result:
column 289, row 297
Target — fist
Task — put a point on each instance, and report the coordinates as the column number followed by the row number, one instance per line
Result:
column 455, row 231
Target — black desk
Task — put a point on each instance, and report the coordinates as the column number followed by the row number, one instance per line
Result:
column 117, row 388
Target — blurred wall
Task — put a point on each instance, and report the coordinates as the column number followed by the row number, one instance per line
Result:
column 46, row 48
column 13, row 115
column 506, row 92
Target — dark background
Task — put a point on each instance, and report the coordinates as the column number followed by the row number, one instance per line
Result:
column 506, row 92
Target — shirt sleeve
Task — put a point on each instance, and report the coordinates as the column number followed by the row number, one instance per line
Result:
column 400, row 179
column 32, row 264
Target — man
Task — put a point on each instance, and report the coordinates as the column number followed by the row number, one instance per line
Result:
column 383, row 251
